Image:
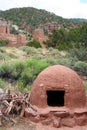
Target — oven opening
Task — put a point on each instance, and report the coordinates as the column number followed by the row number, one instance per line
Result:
column 55, row 98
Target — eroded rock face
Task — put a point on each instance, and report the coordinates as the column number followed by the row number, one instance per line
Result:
column 58, row 78
column 13, row 40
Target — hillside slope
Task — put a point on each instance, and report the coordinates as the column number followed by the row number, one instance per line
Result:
column 29, row 17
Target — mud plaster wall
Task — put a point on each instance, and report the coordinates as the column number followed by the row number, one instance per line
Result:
column 58, row 78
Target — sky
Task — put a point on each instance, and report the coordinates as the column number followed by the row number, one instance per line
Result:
column 63, row 8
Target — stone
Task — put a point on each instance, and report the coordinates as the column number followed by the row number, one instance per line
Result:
column 56, row 122
column 38, row 34
column 68, row 122
column 44, row 114
column 81, row 119
column 47, row 121
column 30, row 112
column 61, row 114
column 37, row 119
column 13, row 40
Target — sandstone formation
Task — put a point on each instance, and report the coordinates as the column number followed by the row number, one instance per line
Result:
column 50, row 26
column 39, row 35
column 13, row 40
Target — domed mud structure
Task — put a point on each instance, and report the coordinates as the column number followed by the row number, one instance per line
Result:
column 58, row 98
column 58, row 86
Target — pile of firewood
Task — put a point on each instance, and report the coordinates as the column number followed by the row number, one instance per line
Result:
column 13, row 104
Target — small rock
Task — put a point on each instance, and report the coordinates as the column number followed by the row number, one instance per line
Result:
column 68, row 122
column 29, row 112
column 81, row 119
column 47, row 121
column 61, row 114
column 37, row 119
column 56, row 123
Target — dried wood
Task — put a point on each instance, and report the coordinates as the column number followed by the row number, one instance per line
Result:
column 14, row 104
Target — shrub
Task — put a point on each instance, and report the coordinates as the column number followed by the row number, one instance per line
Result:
column 5, row 70
column 3, row 42
column 22, row 88
column 52, row 61
column 23, row 72
column 38, row 57
column 37, row 65
column 34, row 43
column 54, row 51
column 81, row 67
column 4, row 56
column 29, row 50
column 2, row 84
column 11, row 70
column 26, row 78
column 32, row 68
column 2, row 49
column 80, row 54
column 16, row 69
column 65, row 61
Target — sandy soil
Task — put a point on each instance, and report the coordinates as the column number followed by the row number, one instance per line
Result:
column 41, row 127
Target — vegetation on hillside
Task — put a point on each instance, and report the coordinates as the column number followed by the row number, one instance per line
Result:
column 32, row 17
column 65, row 40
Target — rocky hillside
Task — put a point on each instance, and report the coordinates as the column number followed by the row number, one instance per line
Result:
column 29, row 17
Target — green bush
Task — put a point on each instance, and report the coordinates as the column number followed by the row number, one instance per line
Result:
column 5, row 70
column 34, row 43
column 2, row 49
column 24, row 72
column 2, row 84
column 65, row 61
column 52, row 61
column 16, row 69
column 4, row 56
column 54, row 51
column 11, row 70
column 37, row 65
column 3, row 42
column 81, row 68
column 79, row 54
column 26, row 78
column 29, row 50
column 64, row 46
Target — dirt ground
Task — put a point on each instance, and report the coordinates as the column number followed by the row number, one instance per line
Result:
column 26, row 124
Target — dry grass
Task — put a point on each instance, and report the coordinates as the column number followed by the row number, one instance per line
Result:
column 22, row 124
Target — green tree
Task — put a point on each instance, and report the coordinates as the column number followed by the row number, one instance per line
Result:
column 83, row 35
column 57, row 37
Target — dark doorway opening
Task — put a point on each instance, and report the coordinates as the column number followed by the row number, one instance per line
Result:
column 55, row 98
